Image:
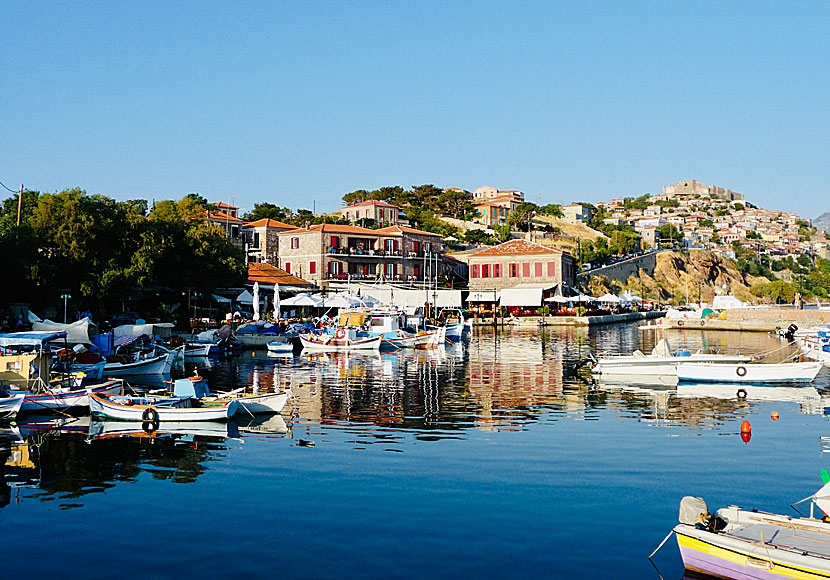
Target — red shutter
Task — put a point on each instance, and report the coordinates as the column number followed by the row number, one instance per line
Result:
column 288, row 267
column 526, row 269
column 394, row 245
column 335, row 241
column 551, row 268
column 473, row 272
column 538, row 269
column 312, row 267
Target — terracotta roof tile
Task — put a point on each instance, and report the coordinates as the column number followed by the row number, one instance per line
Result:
column 400, row 230
column 269, row 223
column 517, row 248
column 270, row 274
column 219, row 216
column 221, row 204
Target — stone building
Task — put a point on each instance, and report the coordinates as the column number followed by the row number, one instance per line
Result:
column 328, row 252
column 382, row 213
column 262, row 239
column 694, row 187
column 519, row 262
column 576, row 213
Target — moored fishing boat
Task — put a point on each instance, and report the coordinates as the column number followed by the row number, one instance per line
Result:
column 343, row 339
column 793, row 372
column 157, row 409
column 740, row 544
column 101, row 428
column 65, row 398
column 662, row 361
column 197, row 388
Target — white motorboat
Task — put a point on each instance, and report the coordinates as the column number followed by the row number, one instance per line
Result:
column 794, row 372
column 10, row 404
column 254, row 403
column 280, row 347
column 105, row 429
column 661, row 362
column 741, row 544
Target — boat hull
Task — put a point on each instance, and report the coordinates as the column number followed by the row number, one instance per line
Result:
column 64, row 399
column 720, row 556
column 344, row 344
column 280, row 347
column 137, row 411
column 262, row 403
column 803, row 372
column 10, row 406
column 658, row 366
column 159, row 365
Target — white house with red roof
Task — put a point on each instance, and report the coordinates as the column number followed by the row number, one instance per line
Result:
column 381, row 212
column 519, row 262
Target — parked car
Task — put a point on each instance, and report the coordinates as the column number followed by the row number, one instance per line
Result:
column 120, row 318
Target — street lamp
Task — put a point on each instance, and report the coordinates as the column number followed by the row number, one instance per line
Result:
column 66, row 296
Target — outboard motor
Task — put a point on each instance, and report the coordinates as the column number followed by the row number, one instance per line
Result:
column 790, row 334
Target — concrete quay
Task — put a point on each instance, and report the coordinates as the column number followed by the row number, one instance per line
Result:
column 750, row 320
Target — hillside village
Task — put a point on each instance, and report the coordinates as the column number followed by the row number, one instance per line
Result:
column 391, row 234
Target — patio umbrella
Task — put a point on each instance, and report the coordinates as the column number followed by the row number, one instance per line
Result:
column 256, row 301
column 276, row 301
column 609, row 298
column 342, row 301
column 303, row 300
column 559, row 299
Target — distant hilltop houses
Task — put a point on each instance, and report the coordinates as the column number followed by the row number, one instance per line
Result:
column 372, row 240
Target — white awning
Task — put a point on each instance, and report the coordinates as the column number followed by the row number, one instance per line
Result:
column 521, row 297
column 485, row 296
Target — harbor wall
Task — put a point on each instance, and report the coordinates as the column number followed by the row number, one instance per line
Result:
column 750, row 320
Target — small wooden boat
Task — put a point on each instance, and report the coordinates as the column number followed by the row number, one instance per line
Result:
column 795, row 372
column 64, row 399
column 197, row 388
column 156, row 365
column 159, row 409
column 280, row 347
column 197, row 349
column 739, row 544
column 343, row 339
column 10, row 404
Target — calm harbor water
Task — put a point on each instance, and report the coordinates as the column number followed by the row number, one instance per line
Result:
column 487, row 459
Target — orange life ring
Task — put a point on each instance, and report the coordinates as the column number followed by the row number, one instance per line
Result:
column 341, row 333
column 679, row 323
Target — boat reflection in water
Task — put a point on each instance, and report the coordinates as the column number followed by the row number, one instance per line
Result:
column 65, row 457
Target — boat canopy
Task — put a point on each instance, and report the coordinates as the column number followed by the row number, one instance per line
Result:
column 353, row 318
column 29, row 338
column 77, row 332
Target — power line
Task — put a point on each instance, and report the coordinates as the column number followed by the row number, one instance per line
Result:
column 4, row 185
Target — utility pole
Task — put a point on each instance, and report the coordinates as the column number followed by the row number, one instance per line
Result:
column 19, row 204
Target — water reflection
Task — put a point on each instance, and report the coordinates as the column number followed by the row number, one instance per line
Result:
column 500, row 380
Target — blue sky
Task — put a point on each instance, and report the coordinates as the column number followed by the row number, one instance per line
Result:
column 301, row 102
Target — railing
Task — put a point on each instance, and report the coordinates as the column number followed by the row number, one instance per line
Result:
column 354, row 252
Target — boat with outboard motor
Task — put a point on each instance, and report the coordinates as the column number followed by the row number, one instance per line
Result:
column 154, row 409
column 10, row 404
column 790, row 372
column 662, row 361
column 259, row 401
column 740, row 544
column 344, row 338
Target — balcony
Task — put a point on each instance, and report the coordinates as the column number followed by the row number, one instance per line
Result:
column 353, row 253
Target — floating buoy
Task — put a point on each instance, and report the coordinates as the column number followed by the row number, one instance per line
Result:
column 746, row 436
column 774, row 415
column 746, row 427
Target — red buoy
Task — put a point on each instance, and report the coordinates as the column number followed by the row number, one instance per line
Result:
column 746, row 427
column 774, row 415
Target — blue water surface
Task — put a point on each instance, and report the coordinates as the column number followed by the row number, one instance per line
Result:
column 490, row 459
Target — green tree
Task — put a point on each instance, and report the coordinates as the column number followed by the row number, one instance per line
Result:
column 520, row 217
column 267, row 210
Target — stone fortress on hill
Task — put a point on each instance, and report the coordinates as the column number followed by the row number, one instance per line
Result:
column 693, row 187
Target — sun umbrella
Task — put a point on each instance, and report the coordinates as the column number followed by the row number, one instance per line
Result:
column 303, row 300
column 559, row 299
column 609, row 298
column 256, row 301
column 276, row 301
